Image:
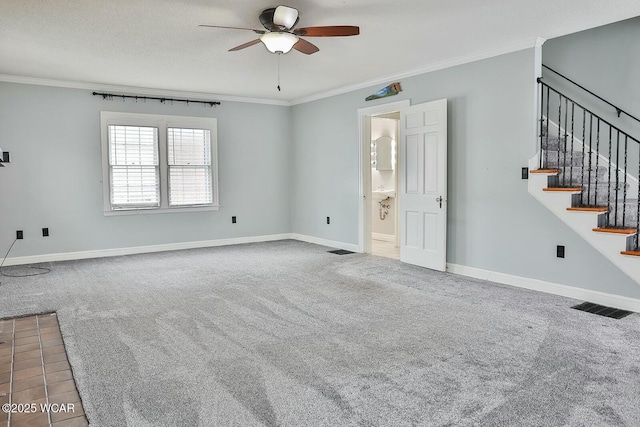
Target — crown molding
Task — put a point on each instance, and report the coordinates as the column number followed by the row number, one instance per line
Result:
column 513, row 47
column 131, row 90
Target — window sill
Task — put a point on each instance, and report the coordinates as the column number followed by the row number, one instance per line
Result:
column 162, row 210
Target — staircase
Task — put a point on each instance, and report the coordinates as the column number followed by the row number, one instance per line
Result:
column 586, row 172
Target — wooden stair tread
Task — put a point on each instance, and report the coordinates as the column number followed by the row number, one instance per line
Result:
column 545, row 171
column 632, row 253
column 589, row 209
column 615, row 230
column 563, row 189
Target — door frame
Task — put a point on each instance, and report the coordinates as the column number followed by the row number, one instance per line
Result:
column 364, row 184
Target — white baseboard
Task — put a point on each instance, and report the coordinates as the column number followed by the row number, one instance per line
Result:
column 383, row 237
column 102, row 253
column 324, row 242
column 609, row 300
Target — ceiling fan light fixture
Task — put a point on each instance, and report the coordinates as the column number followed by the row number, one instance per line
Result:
column 279, row 42
column 285, row 16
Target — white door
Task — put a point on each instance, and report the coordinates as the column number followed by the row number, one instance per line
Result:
column 423, row 185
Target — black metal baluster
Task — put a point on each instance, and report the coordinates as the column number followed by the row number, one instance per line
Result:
column 624, row 189
column 638, row 209
column 590, row 156
column 559, row 131
column 564, row 145
column 573, row 106
column 584, row 124
column 615, row 216
column 541, row 123
column 546, row 151
column 595, row 196
column 609, row 179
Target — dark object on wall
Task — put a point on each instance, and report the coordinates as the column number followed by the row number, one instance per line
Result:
column 4, row 158
column 111, row 96
column 392, row 89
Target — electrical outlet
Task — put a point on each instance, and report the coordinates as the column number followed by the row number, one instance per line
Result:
column 233, row 220
column 560, row 251
column 328, row 220
column 19, row 234
column 525, row 173
column 45, row 232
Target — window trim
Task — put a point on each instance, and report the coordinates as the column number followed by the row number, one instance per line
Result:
column 162, row 122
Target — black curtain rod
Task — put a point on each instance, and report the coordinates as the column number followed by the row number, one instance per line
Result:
column 111, row 96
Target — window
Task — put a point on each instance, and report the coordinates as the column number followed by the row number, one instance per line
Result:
column 134, row 170
column 189, row 166
column 154, row 163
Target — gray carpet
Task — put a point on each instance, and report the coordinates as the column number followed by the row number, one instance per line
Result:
column 283, row 333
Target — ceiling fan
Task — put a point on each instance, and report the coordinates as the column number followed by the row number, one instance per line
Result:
column 280, row 37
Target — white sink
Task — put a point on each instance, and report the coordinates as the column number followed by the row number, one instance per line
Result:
column 383, row 194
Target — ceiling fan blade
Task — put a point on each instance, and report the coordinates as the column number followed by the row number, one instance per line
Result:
column 285, row 16
column 234, row 28
column 331, row 31
column 305, row 47
column 245, row 45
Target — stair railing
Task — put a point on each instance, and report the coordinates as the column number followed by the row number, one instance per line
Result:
column 619, row 110
column 587, row 151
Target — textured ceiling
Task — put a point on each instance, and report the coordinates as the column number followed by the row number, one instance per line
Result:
column 157, row 43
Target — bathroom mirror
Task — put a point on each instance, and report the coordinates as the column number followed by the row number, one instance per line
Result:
column 384, row 153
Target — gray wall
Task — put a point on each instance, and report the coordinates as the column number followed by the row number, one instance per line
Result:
column 285, row 169
column 606, row 60
column 54, row 179
column 494, row 224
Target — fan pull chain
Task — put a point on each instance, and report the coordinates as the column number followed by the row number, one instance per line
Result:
column 279, row 53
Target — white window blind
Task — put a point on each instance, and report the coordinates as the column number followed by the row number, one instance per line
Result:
column 134, row 167
column 189, row 160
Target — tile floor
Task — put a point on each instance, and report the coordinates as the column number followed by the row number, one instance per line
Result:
column 385, row 249
column 35, row 375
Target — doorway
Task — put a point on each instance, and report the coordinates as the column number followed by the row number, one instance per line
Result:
column 379, row 178
column 385, row 130
column 421, row 180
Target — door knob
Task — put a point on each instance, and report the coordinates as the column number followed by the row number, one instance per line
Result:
column 440, row 200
